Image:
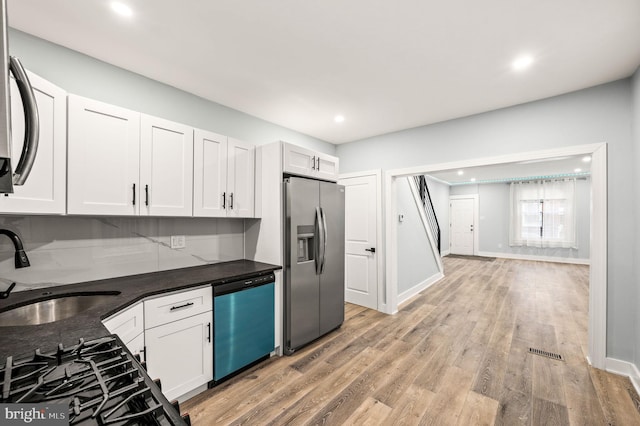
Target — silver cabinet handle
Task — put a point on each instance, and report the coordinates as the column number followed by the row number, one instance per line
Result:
column 32, row 123
column 224, row 200
column 209, row 332
column 231, row 201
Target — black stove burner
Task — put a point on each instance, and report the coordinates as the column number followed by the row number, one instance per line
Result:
column 99, row 380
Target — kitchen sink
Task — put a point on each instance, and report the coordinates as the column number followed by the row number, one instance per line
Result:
column 57, row 308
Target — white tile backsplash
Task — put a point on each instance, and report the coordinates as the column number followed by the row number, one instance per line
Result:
column 70, row 249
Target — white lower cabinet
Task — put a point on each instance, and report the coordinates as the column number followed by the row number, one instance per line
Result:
column 180, row 354
column 128, row 324
column 179, row 340
column 173, row 333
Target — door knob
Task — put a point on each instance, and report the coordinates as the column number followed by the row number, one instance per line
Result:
column 372, row 249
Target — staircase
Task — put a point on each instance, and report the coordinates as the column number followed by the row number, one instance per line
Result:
column 430, row 212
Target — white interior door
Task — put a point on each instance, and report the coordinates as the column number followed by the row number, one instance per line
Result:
column 462, row 226
column 361, row 223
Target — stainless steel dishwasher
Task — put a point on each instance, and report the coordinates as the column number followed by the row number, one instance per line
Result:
column 243, row 323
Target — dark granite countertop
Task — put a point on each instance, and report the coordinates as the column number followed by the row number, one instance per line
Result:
column 21, row 341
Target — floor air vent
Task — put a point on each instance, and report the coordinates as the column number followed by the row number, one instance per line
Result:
column 551, row 355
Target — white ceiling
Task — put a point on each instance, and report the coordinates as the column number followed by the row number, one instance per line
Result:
column 385, row 65
column 548, row 168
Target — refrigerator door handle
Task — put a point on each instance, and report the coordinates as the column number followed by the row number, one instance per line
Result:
column 324, row 240
column 32, row 124
column 321, row 245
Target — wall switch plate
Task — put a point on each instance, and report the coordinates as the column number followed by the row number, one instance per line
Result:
column 178, row 241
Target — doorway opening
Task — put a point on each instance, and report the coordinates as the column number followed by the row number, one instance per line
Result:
column 598, row 230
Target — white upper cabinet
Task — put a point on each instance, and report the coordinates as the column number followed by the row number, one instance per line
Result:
column 122, row 162
column 327, row 167
column 166, row 167
column 304, row 162
column 103, row 158
column 209, row 174
column 45, row 189
column 240, row 178
column 224, row 170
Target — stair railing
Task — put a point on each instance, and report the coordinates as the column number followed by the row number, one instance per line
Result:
column 430, row 212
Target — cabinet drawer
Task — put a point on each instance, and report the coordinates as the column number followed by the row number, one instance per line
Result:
column 175, row 306
column 127, row 324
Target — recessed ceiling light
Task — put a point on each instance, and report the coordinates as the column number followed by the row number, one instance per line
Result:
column 473, row 179
column 578, row 170
column 338, row 118
column 522, row 62
column 586, row 159
column 460, row 172
column 121, row 9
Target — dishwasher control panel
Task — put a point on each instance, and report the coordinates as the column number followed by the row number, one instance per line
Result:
column 239, row 285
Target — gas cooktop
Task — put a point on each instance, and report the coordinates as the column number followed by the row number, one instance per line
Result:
column 99, row 380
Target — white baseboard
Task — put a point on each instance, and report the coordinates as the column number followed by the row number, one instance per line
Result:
column 408, row 294
column 192, row 393
column 624, row 368
column 533, row 257
column 444, row 253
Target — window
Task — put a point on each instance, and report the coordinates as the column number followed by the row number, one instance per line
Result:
column 543, row 214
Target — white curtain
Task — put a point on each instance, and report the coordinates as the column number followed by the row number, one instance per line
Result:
column 543, row 214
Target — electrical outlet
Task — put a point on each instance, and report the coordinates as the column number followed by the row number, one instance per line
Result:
column 178, row 241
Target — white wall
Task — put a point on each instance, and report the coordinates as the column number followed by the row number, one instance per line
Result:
column 598, row 114
column 416, row 262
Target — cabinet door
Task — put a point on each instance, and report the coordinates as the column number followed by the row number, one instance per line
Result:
column 240, row 178
column 298, row 161
column 327, row 167
column 209, row 174
column 136, row 345
column 103, row 158
column 180, row 354
column 45, row 189
column 127, row 324
column 166, row 167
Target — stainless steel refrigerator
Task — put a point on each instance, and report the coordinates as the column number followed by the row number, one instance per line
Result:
column 314, row 260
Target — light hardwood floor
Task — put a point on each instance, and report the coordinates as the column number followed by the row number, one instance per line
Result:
column 457, row 354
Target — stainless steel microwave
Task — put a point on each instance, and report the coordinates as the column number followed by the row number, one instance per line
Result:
column 12, row 171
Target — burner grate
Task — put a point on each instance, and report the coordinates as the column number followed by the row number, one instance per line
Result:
column 99, row 379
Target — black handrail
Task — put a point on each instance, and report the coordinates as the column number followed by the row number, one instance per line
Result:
column 429, row 210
